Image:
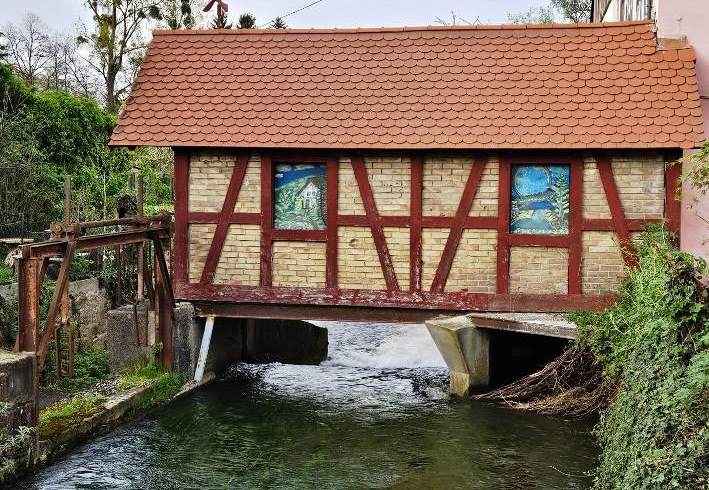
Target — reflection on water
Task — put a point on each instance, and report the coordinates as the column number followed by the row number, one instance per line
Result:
column 375, row 415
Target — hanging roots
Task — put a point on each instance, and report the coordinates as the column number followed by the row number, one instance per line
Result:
column 572, row 385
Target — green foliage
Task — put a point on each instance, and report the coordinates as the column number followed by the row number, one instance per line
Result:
column 90, row 367
column 535, row 15
column 696, row 169
column 164, row 385
column 14, row 448
column 246, row 21
column 655, row 342
column 56, row 418
column 278, row 23
column 7, row 274
column 80, row 269
column 574, row 10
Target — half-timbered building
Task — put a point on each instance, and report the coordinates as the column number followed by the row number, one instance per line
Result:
column 405, row 172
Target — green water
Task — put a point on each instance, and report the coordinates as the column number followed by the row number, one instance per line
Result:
column 375, row 415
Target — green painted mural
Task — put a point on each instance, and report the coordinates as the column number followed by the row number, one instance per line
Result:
column 300, row 197
column 540, row 199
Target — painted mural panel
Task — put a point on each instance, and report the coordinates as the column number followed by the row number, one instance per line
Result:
column 540, row 199
column 300, row 198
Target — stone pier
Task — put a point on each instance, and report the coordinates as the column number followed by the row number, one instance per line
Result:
column 466, row 350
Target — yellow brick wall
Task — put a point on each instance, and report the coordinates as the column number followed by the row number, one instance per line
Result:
column 357, row 260
column 641, row 184
column 299, row 264
column 539, row 270
column 241, row 255
column 398, row 244
column 349, row 200
column 239, row 262
column 602, row 266
column 433, row 240
column 210, row 173
column 444, row 180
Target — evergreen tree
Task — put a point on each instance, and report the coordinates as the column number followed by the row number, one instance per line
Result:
column 221, row 19
column 246, row 21
column 278, row 23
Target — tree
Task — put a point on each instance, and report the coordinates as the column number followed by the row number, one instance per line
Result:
column 3, row 48
column 221, row 21
column 535, row 15
column 574, row 10
column 246, row 21
column 177, row 14
column 28, row 46
column 278, row 23
column 116, row 42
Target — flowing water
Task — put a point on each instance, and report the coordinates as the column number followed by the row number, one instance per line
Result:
column 374, row 415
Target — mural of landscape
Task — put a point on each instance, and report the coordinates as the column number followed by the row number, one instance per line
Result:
column 300, row 197
column 540, row 199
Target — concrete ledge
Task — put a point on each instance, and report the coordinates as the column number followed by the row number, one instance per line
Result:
column 546, row 324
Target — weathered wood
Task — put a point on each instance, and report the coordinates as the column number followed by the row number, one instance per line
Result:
column 181, row 198
column 375, row 226
column 503, row 227
column 453, row 301
column 575, row 225
column 56, row 247
column 140, row 287
column 673, row 206
column 333, row 184
column 49, row 325
column 28, row 304
column 416, row 210
column 207, row 218
column 266, row 267
column 299, row 235
column 220, row 233
column 456, row 232
column 164, row 305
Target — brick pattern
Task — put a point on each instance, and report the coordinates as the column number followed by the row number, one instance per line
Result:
column 390, row 178
column 398, row 243
column 443, row 183
column 300, row 264
column 239, row 263
column 539, row 270
column 200, row 239
column 641, row 185
column 485, row 202
column 358, row 264
column 595, row 204
column 349, row 200
column 210, row 173
column 602, row 266
column 433, row 240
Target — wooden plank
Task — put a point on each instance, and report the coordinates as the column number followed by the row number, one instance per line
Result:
column 161, row 266
column 456, row 233
column 370, row 208
column 333, row 185
column 416, row 230
column 266, row 268
column 620, row 226
column 299, row 235
column 458, row 301
column 181, row 191
column 232, row 194
column 56, row 247
column 50, row 323
column 205, row 218
column 503, row 227
column 575, row 225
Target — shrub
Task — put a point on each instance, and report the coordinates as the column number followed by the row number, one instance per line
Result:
column 655, row 343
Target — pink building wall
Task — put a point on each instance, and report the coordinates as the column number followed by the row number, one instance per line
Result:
column 690, row 18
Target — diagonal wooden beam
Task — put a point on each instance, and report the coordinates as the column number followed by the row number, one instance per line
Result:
column 374, row 221
column 620, row 225
column 164, row 272
column 464, row 206
column 50, row 323
column 232, row 194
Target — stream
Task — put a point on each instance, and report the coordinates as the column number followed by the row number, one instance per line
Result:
column 375, row 415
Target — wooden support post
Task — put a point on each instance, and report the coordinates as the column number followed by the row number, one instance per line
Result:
column 49, row 325
column 204, row 349
column 140, row 287
column 28, row 304
column 64, row 313
column 165, row 303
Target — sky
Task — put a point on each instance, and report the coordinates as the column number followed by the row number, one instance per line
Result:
column 64, row 15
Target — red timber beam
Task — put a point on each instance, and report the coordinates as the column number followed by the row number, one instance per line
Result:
column 182, row 218
column 673, row 206
column 220, row 233
column 416, row 227
column 620, row 225
column 333, row 184
column 266, row 268
column 464, row 207
column 374, row 222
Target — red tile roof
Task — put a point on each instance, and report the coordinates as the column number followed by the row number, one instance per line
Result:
column 556, row 86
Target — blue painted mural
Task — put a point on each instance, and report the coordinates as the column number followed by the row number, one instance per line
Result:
column 540, row 199
column 300, row 197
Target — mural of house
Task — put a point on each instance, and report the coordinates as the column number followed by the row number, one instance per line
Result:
column 431, row 141
column 678, row 23
column 310, row 196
